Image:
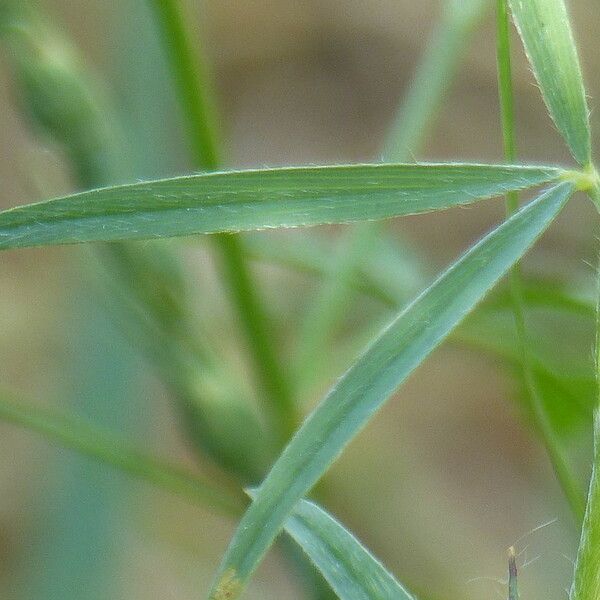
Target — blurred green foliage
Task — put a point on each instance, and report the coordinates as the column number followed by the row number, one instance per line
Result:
column 234, row 426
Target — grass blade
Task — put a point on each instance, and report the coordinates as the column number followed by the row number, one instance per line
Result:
column 566, row 374
column 389, row 360
column 194, row 87
column 349, row 568
column 586, row 580
column 390, row 273
column 546, row 33
column 551, row 440
column 77, row 434
column 243, row 200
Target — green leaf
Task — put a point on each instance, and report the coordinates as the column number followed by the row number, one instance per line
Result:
column 347, row 565
column 564, row 374
column 494, row 329
column 421, row 107
column 243, row 200
column 349, row 568
column 586, row 581
column 386, row 363
column 390, row 273
column 77, row 434
column 548, row 40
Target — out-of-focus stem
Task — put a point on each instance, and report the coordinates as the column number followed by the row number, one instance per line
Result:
column 65, row 102
column 411, row 124
column 513, row 590
column 86, row 439
column 194, row 87
column 553, row 444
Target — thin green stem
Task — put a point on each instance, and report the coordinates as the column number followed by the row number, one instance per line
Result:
column 193, row 82
column 562, row 469
column 421, row 106
column 193, row 85
column 507, row 111
column 413, row 121
column 586, row 583
column 76, row 434
column 329, row 304
column 513, row 589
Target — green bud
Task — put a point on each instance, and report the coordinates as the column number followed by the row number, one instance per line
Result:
column 56, row 92
column 223, row 425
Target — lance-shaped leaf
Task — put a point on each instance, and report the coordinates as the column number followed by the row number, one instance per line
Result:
column 349, row 568
column 586, row 581
column 386, row 363
column 548, row 40
column 243, row 200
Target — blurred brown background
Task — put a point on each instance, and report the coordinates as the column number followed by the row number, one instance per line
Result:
column 447, row 476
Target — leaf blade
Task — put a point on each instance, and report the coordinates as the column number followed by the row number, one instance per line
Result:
column 546, row 33
column 586, row 583
column 73, row 432
column 349, row 568
column 372, row 379
column 244, row 200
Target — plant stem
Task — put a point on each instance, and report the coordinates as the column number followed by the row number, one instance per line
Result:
column 193, row 84
column 421, row 106
column 76, row 434
column 585, row 580
column 513, row 590
column 507, row 111
column 415, row 117
column 586, row 583
column 562, row 469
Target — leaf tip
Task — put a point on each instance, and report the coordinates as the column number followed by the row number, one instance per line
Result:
column 512, row 575
column 512, row 561
column 229, row 586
